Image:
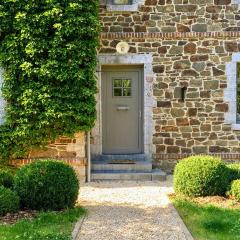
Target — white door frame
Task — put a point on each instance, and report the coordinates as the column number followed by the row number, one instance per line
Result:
column 148, row 100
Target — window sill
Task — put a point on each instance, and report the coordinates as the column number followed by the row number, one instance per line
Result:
column 123, row 8
column 236, row 127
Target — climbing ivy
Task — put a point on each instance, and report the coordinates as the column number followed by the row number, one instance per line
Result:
column 48, row 53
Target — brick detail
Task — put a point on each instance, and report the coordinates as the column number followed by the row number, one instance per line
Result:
column 72, row 162
column 224, row 156
column 168, row 35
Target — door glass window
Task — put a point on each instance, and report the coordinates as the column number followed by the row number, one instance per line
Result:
column 122, row 87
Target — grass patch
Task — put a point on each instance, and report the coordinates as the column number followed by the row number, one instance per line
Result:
column 58, row 225
column 208, row 222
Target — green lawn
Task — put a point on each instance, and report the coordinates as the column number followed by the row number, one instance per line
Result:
column 207, row 222
column 50, row 225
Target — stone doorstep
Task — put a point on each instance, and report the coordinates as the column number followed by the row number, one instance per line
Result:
column 155, row 175
column 108, row 157
column 137, row 166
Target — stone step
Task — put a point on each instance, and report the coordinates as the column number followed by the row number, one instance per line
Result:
column 155, row 175
column 138, row 166
column 136, row 157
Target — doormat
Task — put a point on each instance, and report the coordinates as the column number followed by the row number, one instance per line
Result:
column 122, row 161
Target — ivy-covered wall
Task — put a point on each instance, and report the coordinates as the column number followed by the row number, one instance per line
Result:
column 48, row 53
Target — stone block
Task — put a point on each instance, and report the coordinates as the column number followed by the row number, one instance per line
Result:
column 221, row 107
column 176, row 50
column 182, row 64
column 199, row 58
column 164, row 104
column 218, row 149
column 173, row 149
column 190, row 48
column 177, row 112
column 186, row 8
column 44, row 153
column 182, row 122
column 211, row 85
column 199, row 27
column 200, row 149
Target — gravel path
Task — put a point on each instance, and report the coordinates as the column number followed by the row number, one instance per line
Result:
column 130, row 211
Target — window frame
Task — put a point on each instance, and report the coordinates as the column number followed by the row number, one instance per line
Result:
column 238, row 93
column 122, row 87
column 132, row 6
column 230, row 92
column 129, row 2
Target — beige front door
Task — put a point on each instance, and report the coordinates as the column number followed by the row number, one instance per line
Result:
column 122, row 110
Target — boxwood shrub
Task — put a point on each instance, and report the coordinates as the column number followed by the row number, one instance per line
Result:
column 234, row 171
column 47, row 185
column 9, row 201
column 235, row 189
column 201, row 176
column 6, row 178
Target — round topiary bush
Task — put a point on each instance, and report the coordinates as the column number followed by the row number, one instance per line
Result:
column 9, row 201
column 234, row 171
column 6, row 178
column 201, row 176
column 235, row 189
column 47, row 185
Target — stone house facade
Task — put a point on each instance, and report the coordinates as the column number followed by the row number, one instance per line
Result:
column 189, row 51
column 186, row 54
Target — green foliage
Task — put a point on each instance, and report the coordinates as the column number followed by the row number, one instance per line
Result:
column 48, row 52
column 10, row 168
column 201, row 176
column 235, row 189
column 47, row 185
column 234, row 171
column 46, row 225
column 6, row 178
column 207, row 222
column 38, row 236
column 9, row 201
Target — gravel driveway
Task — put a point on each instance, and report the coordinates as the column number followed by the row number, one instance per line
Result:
column 130, row 211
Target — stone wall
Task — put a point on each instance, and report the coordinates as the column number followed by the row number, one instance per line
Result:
column 191, row 43
column 73, row 151
column 63, row 147
column 175, row 16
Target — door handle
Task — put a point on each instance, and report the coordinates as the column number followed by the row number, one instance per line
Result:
column 122, row 108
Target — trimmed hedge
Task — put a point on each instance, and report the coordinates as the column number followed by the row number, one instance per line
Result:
column 9, row 201
column 6, row 178
column 48, row 52
column 234, row 171
column 201, row 176
column 47, row 185
column 235, row 189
